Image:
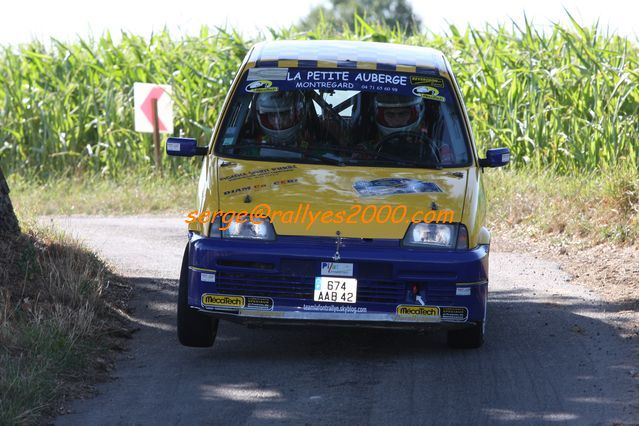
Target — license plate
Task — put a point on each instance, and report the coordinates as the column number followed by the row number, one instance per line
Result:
column 335, row 289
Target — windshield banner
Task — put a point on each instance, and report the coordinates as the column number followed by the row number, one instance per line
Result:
column 427, row 87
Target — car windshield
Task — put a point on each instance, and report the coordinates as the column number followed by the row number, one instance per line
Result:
column 344, row 117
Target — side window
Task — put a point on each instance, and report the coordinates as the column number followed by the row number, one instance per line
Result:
column 235, row 121
column 455, row 137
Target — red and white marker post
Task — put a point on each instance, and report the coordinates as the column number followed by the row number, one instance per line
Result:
column 153, row 113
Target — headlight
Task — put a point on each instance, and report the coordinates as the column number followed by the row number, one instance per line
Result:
column 252, row 231
column 437, row 235
column 243, row 229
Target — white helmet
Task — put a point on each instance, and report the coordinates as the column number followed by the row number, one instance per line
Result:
column 396, row 113
column 279, row 114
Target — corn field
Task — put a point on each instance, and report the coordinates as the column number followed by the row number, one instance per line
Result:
column 565, row 100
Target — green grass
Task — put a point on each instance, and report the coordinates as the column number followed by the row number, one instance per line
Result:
column 32, row 379
column 67, row 108
column 584, row 209
column 566, row 100
column 100, row 195
column 57, row 304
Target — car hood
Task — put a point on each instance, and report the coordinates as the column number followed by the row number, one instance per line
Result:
column 303, row 191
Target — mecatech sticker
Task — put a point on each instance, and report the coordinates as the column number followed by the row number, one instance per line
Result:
column 412, row 310
column 222, row 301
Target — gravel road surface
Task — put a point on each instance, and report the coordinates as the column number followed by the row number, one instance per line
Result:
column 552, row 355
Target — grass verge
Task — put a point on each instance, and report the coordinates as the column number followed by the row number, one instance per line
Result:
column 61, row 322
column 96, row 195
column 580, row 210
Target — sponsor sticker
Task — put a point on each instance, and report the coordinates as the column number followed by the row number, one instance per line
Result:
column 426, row 81
column 261, row 186
column 337, row 309
column 258, row 303
column 285, row 182
column 338, row 269
column 368, row 80
column 462, row 291
column 207, row 277
column 259, row 173
column 428, row 92
column 392, row 186
column 452, row 313
column 267, row 314
column 222, row 301
column 422, row 311
column 271, row 74
column 261, row 86
column 173, row 146
column 237, row 190
column 256, row 187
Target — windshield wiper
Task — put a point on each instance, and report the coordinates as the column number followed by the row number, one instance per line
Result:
column 304, row 153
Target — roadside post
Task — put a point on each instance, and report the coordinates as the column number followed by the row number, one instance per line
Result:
column 153, row 108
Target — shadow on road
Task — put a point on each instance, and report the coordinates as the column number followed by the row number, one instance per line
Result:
column 542, row 361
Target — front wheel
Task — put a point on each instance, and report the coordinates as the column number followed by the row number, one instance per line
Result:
column 467, row 338
column 194, row 329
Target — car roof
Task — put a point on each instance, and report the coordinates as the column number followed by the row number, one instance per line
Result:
column 347, row 54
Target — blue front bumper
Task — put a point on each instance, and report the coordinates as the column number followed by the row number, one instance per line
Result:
column 396, row 286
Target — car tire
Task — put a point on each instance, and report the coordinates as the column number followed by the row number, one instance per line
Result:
column 194, row 329
column 467, row 338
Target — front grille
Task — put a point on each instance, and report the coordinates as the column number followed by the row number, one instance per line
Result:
column 245, row 264
column 440, row 294
column 301, row 287
column 365, row 270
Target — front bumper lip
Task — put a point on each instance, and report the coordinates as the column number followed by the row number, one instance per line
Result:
column 371, row 320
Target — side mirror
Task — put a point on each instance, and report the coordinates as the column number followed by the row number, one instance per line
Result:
column 184, row 147
column 496, row 157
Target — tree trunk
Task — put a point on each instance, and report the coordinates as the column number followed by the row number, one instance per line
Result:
column 8, row 221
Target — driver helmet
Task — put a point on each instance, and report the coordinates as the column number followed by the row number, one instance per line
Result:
column 397, row 113
column 279, row 115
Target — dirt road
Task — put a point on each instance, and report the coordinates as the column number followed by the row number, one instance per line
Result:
column 552, row 355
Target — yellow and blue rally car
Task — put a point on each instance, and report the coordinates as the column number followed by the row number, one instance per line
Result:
column 342, row 186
